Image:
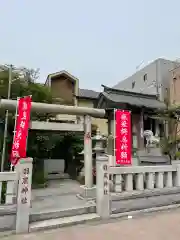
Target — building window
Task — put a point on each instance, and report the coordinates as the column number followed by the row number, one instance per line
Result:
column 145, row 77
column 133, row 84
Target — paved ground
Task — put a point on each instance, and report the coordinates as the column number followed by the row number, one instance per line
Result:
column 158, row 226
column 144, row 203
column 60, row 194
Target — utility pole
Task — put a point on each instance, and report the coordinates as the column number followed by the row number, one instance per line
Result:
column 6, row 120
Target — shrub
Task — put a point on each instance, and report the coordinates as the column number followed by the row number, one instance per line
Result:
column 177, row 155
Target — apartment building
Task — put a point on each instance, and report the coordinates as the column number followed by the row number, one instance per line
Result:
column 153, row 79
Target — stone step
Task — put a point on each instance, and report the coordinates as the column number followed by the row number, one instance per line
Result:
column 62, row 222
column 60, row 213
column 128, row 205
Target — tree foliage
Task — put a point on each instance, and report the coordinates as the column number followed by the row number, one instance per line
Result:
column 171, row 117
column 23, row 83
column 41, row 145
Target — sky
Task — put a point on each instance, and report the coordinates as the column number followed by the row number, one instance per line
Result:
column 97, row 41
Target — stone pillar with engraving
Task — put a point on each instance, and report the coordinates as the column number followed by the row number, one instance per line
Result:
column 24, row 195
column 102, row 184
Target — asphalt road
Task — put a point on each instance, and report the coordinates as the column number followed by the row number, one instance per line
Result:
column 156, row 226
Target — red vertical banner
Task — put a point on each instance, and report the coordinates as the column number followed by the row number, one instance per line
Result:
column 21, row 130
column 123, row 143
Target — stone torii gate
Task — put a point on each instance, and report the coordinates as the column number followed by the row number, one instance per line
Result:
column 11, row 105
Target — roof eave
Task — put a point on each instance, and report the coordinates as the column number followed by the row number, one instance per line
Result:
column 84, row 97
column 160, row 105
column 128, row 92
column 56, row 74
column 61, row 73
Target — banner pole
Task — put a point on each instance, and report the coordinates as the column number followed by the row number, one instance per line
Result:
column 22, row 126
column 14, row 132
column 28, row 128
column 114, row 158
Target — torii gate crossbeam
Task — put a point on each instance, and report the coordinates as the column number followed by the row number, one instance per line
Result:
column 11, row 105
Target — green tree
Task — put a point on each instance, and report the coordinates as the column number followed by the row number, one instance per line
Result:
column 23, row 83
column 41, row 145
column 171, row 117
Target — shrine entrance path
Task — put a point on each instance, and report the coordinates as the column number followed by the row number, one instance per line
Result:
column 60, row 194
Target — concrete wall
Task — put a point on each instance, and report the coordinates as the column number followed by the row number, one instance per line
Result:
column 101, row 123
column 86, row 103
column 174, row 93
column 53, row 166
column 146, row 79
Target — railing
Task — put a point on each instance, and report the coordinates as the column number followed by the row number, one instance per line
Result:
column 15, row 197
column 127, row 179
column 8, row 185
column 130, row 182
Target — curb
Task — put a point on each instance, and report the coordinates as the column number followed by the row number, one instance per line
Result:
column 98, row 220
column 145, row 211
column 63, row 222
column 113, row 218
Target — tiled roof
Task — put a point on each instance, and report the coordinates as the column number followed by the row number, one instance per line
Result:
column 134, row 99
column 86, row 93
